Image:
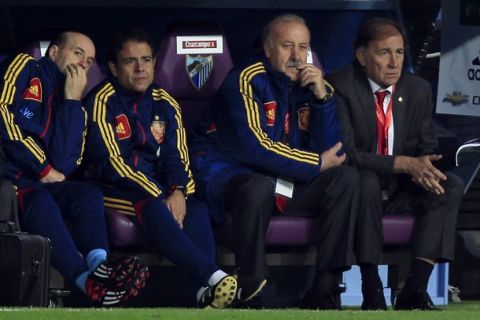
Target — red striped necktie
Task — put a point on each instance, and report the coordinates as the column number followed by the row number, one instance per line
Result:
column 383, row 122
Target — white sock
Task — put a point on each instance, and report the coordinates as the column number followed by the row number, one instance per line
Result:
column 216, row 277
column 200, row 292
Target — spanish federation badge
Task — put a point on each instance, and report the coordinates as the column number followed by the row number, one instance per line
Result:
column 199, row 69
column 158, row 129
column 304, row 117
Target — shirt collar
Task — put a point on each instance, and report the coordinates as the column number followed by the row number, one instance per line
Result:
column 375, row 87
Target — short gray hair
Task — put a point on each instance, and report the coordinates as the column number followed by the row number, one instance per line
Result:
column 267, row 34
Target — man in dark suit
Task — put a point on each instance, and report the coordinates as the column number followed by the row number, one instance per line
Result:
column 388, row 135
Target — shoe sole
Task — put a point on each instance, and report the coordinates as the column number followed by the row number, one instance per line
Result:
column 225, row 292
column 123, row 270
column 131, row 277
column 262, row 285
column 131, row 289
column 139, row 281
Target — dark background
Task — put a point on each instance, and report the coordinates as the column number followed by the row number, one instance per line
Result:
column 333, row 25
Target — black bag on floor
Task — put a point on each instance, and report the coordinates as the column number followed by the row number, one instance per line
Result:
column 24, row 268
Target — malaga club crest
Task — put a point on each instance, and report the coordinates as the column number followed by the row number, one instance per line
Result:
column 199, row 69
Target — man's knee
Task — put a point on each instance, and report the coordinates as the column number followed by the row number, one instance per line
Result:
column 197, row 215
column 197, row 209
column 250, row 199
column 87, row 193
column 454, row 186
column 346, row 177
column 37, row 205
column 34, row 198
column 370, row 182
column 254, row 187
column 7, row 194
column 6, row 188
column 152, row 206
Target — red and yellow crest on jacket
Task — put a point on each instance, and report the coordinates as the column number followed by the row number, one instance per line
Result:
column 270, row 110
column 34, row 90
column 122, row 127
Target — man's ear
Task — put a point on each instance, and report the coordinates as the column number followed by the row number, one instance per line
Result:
column 360, row 54
column 154, row 61
column 267, row 50
column 113, row 68
column 53, row 52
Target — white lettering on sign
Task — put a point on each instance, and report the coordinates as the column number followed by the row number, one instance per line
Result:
column 199, row 44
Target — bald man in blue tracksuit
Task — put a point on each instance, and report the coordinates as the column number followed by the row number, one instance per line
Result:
column 43, row 128
column 273, row 123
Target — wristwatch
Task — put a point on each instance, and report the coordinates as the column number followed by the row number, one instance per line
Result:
column 329, row 94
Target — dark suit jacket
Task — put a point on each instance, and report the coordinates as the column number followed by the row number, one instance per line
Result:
column 412, row 118
column 2, row 161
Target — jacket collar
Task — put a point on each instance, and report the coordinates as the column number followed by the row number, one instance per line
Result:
column 129, row 94
column 51, row 71
column 279, row 78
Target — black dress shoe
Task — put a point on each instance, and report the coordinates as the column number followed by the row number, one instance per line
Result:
column 249, row 287
column 255, row 303
column 374, row 300
column 326, row 301
column 414, row 300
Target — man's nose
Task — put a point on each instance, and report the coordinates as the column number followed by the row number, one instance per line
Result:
column 83, row 63
column 393, row 61
column 295, row 54
column 139, row 67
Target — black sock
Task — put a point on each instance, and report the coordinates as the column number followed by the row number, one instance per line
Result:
column 417, row 279
column 370, row 278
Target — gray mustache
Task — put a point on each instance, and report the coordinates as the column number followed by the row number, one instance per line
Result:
column 291, row 64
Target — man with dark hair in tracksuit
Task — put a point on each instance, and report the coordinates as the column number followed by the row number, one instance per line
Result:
column 137, row 152
column 272, row 130
column 43, row 127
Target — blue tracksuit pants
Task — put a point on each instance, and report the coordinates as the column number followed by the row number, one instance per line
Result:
column 191, row 248
column 46, row 207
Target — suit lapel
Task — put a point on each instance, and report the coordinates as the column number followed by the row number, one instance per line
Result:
column 399, row 115
column 367, row 104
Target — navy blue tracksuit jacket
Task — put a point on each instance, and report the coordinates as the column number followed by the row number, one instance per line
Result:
column 39, row 128
column 260, row 121
column 137, row 141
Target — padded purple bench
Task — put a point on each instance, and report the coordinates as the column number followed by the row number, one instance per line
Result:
column 295, row 231
column 126, row 235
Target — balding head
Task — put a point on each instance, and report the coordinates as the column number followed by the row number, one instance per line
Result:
column 72, row 48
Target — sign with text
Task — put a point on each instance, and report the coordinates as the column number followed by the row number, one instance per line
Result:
column 459, row 78
column 199, row 44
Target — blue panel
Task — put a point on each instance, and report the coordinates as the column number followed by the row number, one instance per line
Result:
column 437, row 286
